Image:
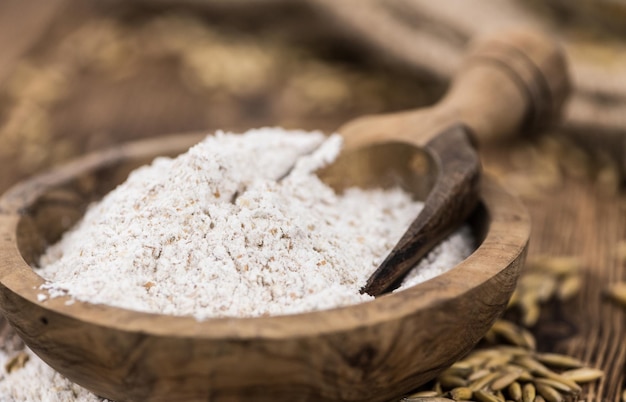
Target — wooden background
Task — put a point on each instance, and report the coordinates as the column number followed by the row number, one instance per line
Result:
column 80, row 75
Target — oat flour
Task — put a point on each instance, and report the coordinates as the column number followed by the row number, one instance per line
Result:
column 238, row 226
column 37, row 382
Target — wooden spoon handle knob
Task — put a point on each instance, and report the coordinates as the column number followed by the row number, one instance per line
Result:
column 515, row 81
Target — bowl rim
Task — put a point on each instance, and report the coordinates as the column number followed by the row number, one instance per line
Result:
column 505, row 241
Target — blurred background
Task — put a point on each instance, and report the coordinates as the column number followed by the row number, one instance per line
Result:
column 80, row 75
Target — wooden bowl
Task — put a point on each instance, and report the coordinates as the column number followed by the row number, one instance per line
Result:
column 373, row 351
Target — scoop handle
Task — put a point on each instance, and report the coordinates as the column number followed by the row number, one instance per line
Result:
column 515, row 81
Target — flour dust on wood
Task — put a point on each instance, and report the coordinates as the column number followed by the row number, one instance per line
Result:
column 238, row 226
column 24, row 377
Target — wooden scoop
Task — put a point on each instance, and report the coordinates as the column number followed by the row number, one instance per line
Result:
column 511, row 83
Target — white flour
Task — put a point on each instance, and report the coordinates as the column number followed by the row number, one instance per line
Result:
column 221, row 231
column 38, row 382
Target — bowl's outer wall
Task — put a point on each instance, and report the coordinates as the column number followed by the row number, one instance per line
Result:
column 370, row 363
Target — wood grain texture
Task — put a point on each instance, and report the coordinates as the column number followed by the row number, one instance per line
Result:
column 355, row 353
column 578, row 219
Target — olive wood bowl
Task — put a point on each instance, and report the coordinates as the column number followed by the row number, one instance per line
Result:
column 372, row 351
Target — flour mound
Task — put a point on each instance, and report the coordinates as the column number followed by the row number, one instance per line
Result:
column 238, row 226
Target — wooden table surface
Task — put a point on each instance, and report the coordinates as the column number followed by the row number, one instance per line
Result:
column 579, row 215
